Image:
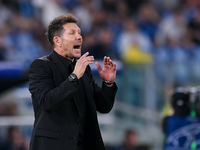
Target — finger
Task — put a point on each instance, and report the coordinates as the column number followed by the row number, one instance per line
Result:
column 89, row 58
column 85, row 59
column 84, row 55
column 89, row 62
column 111, row 63
column 106, row 60
column 98, row 66
column 114, row 67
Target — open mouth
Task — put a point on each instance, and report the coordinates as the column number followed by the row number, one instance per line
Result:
column 77, row 47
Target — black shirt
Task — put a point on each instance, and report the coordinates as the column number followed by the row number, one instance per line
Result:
column 80, row 98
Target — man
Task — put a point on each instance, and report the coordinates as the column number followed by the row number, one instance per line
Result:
column 65, row 96
column 130, row 142
column 14, row 140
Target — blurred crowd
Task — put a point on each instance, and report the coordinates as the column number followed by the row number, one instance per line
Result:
column 165, row 33
column 159, row 31
column 14, row 140
column 129, row 142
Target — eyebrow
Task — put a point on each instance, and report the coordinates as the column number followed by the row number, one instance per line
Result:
column 79, row 30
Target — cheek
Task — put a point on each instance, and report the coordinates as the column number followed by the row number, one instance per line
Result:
column 68, row 45
column 68, row 40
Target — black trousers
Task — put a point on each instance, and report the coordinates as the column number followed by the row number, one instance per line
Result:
column 81, row 146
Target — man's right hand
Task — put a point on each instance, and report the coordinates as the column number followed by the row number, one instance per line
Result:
column 82, row 63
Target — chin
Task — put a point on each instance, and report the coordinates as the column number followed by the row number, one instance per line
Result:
column 77, row 56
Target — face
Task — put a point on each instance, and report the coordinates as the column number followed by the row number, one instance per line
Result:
column 130, row 140
column 71, row 41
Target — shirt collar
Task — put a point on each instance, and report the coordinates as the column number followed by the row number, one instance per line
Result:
column 66, row 61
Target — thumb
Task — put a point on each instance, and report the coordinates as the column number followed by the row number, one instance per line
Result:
column 98, row 66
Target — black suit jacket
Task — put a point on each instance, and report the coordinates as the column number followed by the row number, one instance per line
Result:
column 56, row 125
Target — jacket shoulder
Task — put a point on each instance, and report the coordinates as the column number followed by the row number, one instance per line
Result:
column 42, row 61
column 44, row 58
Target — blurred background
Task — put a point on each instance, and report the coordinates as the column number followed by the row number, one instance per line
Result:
column 155, row 43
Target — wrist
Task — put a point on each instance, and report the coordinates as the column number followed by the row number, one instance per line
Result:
column 76, row 74
column 72, row 77
column 108, row 82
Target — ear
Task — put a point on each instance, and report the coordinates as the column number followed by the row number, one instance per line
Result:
column 57, row 41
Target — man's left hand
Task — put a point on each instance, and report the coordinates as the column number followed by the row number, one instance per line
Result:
column 108, row 72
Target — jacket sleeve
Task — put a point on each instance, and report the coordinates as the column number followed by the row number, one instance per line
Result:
column 43, row 90
column 104, row 96
column 104, row 99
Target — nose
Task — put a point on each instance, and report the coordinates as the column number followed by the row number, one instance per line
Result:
column 79, row 37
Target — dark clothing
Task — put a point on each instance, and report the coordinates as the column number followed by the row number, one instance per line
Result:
column 174, row 126
column 194, row 26
column 80, row 98
column 137, row 147
column 59, row 110
column 8, row 146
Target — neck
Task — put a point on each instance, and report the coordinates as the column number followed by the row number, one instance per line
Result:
column 60, row 52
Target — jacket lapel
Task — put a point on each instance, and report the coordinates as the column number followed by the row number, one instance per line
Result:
column 59, row 64
column 87, row 81
column 88, row 85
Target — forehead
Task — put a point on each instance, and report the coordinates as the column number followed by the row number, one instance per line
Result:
column 71, row 26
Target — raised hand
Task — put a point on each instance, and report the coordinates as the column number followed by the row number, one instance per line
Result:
column 108, row 72
column 82, row 63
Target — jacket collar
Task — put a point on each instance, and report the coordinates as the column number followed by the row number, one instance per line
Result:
column 56, row 60
column 62, row 67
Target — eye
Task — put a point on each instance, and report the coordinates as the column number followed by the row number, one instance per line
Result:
column 71, row 32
